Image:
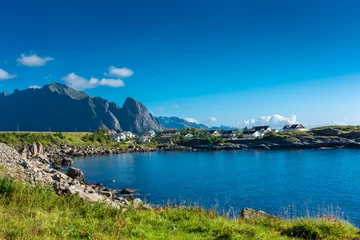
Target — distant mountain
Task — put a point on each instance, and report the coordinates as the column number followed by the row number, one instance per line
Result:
column 222, row 127
column 62, row 108
column 179, row 123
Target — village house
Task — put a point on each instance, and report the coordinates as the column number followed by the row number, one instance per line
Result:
column 129, row 135
column 111, row 132
column 293, row 127
column 252, row 134
column 263, row 129
column 145, row 139
column 230, row 134
column 118, row 137
column 214, row 133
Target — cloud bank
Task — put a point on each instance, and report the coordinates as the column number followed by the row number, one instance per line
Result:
column 4, row 75
column 192, row 120
column 33, row 60
column 79, row 83
column 119, row 72
column 274, row 121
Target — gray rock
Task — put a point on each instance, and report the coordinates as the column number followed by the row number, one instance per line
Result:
column 67, row 161
column 76, row 173
column 25, row 164
column 127, row 191
column 34, row 149
column 40, row 149
column 252, row 214
column 137, row 202
column 106, row 193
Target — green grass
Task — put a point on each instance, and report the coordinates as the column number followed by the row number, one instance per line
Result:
column 47, row 138
column 28, row 212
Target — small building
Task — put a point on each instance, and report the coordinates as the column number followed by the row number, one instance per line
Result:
column 263, row 129
column 118, row 137
column 169, row 132
column 111, row 132
column 145, row 139
column 189, row 135
column 252, row 134
column 214, row 133
column 129, row 135
column 230, row 134
column 293, row 127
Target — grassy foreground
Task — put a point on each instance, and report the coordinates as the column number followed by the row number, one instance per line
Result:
column 38, row 213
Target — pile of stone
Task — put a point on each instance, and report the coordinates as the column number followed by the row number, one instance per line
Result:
column 32, row 165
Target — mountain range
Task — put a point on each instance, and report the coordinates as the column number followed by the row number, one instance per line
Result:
column 179, row 123
column 57, row 107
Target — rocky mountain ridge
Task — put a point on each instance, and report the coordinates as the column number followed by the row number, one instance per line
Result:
column 57, row 107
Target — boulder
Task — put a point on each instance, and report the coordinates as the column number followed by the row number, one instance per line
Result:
column 137, row 202
column 40, row 149
column 106, row 193
column 24, row 152
column 67, row 161
column 76, row 173
column 127, row 191
column 34, row 149
column 25, row 164
column 253, row 215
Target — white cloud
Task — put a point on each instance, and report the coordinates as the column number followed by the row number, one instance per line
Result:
column 4, row 75
column 274, row 121
column 160, row 108
column 33, row 60
column 119, row 72
column 176, row 106
column 111, row 82
column 79, row 83
column 212, row 119
column 35, row 87
column 192, row 120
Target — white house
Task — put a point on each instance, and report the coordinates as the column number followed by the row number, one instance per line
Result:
column 118, row 137
column 263, row 129
column 214, row 133
column 293, row 127
column 145, row 139
column 189, row 135
column 129, row 135
column 252, row 134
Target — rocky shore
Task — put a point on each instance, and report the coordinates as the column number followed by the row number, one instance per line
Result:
column 318, row 142
column 34, row 165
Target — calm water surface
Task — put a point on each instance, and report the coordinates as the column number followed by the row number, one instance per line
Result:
column 296, row 182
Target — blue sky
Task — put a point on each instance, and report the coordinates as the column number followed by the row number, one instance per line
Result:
column 226, row 60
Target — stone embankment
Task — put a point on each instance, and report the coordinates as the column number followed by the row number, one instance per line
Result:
column 33, row 165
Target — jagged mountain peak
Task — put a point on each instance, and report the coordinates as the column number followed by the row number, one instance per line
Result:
column 4, row 94
column 63, row 108
column 65, row 90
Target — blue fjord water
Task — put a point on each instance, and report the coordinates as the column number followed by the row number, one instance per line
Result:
column 294, row 182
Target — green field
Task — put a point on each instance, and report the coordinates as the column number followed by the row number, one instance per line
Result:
column 28, row 212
